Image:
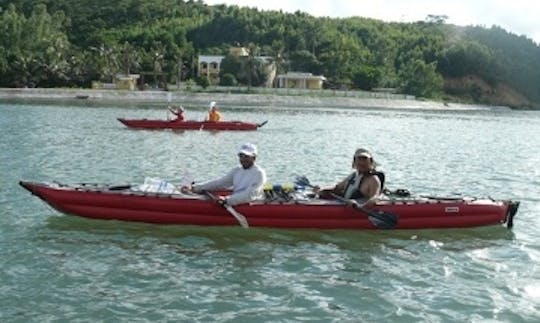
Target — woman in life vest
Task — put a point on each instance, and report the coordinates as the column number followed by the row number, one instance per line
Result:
column 213, row 114
column 363, row 186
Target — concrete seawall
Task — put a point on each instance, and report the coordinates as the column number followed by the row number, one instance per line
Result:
column 227, row 99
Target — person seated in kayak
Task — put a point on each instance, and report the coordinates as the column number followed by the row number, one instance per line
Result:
column 213, row 113
column 178, row 112
column 363, row 186
column 246, row 180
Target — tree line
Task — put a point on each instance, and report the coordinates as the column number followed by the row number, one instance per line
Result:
column 52, row 43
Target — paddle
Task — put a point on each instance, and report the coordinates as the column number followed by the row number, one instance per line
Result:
column 262, row 124
column 239, row 217
column 169, row 99
column 380, row 219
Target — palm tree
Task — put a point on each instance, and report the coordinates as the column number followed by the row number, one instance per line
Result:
column 106, row 61
column 253, row 52
column 128, row 58
column 157, row 53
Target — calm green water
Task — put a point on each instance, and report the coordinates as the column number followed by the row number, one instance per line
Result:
column 57, row 268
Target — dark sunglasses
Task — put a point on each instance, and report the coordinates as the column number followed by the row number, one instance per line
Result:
column 361, row 157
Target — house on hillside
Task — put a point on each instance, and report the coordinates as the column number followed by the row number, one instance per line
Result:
column 210, row 65
column 297, row 80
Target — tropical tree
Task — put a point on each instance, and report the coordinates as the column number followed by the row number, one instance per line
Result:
column 366, row 77
column 35, row 49
column 106, row 60
column 420, row 79
column 304, row 61
column 155, row 57
column 227, row 80
column 128, row 57
column 468, row 57
column 340, row 58
column 253, row 51
column 249, row 70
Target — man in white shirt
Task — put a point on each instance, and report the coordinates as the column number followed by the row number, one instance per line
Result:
column 246, row 180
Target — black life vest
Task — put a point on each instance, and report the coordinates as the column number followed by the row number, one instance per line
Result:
column 357, row 194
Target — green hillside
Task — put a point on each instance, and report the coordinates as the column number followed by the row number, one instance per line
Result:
column 51, row 43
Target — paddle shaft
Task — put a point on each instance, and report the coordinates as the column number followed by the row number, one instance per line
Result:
column 381, row 220
column 357, row 206
column 169, row 99
column 239, row 217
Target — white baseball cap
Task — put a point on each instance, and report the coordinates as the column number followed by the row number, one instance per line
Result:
column 248, row 149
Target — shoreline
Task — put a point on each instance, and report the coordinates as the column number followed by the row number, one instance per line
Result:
column 229, row 99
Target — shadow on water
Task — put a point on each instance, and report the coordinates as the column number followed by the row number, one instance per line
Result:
column 226, row 237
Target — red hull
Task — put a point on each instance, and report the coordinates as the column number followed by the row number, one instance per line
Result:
column 100, row 202
column 189, row 124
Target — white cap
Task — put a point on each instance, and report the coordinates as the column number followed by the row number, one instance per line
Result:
column 212, row 104
column 248, row 149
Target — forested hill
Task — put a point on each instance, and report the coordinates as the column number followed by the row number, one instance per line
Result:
column 49, row 43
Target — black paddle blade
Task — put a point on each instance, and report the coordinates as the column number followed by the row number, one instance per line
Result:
column 383, row 220
column 119, row 187
column 302, row 181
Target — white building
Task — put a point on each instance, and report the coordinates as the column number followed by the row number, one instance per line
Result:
column 210, row 65
column 297, row 80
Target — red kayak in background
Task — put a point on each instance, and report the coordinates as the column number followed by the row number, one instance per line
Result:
column 129, row 203
column 190, row 124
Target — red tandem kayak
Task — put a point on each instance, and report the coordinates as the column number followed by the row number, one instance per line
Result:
column 190, row 124
column 127, row 204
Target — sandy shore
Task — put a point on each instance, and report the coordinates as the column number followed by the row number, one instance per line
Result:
column 227, row 99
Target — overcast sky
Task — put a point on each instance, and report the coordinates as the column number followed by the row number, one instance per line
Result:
column 520, row 17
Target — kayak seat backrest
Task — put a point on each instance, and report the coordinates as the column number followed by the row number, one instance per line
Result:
column 382, row 178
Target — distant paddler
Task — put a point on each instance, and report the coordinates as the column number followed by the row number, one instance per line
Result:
column 213, row 113
column 178, row 111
